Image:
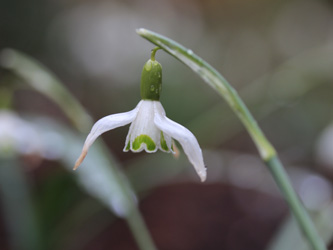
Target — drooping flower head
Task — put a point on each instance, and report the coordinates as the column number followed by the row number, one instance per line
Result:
column 150, row 129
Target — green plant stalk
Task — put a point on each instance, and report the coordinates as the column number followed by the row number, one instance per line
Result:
column 267, row 152
column 43, row 81
column 133, row 216
column 143, row 239
column 301, row 215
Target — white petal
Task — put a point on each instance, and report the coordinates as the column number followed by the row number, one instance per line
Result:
column 105, row 124
column 184, row 136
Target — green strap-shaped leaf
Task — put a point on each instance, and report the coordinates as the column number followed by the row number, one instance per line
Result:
column 214, row 79
column 217, row 82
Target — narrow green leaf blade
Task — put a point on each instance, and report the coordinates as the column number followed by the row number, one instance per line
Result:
column 214, row 79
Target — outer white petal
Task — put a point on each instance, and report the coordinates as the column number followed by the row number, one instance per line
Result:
column 184, row 136
column 105, row 124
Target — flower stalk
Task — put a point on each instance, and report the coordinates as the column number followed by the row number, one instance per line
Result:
column 153, row 52
column 267, row 152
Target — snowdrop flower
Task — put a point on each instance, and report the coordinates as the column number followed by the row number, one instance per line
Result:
column 150, row 129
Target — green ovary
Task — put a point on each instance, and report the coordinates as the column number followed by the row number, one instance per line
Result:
column 151, row 146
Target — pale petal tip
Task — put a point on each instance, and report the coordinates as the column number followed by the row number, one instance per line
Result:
column 140, row 31
column 175, row 151
column 80, row 159
column 202, row 174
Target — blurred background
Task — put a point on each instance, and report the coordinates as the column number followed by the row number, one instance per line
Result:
column 277, row 54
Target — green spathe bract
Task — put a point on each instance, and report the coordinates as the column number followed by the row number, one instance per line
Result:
column 151, row 80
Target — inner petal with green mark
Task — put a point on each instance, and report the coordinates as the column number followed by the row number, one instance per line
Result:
column 136, row 144
column 164, row 145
